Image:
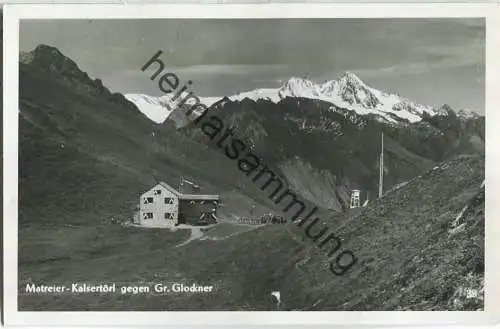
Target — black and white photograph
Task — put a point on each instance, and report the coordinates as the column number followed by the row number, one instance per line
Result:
column 246, row 164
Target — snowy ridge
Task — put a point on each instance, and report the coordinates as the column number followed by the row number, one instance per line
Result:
column 467, row 114
column 152, row 107
column 158, row 109
column 348, row 92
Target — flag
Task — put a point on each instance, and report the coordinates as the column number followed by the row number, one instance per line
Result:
column 193, row 185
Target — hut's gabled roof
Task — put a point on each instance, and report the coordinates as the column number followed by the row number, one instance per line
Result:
column 170, row 188
column 208, row 197
column 181, row 196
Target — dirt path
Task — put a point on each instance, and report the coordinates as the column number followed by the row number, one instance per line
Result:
column 197, row 232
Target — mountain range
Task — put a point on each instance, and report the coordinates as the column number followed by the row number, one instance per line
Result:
column 86, row 154
column 348, row 92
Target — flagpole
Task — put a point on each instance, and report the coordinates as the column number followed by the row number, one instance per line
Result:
column 381, row 168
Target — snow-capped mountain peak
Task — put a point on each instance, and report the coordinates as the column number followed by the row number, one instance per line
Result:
column 298, row 87
column 350, row 79
column 348, row 91
column 346, row 80
column 354, row 91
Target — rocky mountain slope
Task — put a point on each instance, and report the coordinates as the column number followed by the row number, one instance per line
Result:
column 86, row 154
column 342, row 144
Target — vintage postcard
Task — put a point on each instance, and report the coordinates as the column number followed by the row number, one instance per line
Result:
column 324, row 160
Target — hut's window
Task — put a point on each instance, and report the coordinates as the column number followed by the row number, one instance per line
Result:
column 148, row 200
column 148, row 215
column 157, row 192
column 169, row 200
column 169, row 215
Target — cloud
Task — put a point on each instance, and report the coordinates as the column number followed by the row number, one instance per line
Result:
column 413, row 68
column 228, row 69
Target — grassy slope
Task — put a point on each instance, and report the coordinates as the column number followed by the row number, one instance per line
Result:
column 408, row 259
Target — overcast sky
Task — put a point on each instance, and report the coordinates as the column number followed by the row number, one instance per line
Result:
column 429, row 61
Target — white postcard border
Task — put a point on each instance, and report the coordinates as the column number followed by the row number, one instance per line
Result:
column 13, row 13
